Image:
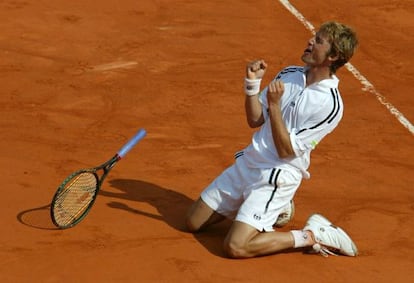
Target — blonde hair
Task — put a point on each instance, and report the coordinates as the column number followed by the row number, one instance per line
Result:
column 343, row 42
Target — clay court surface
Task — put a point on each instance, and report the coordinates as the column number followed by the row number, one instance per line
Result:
column 78, row 78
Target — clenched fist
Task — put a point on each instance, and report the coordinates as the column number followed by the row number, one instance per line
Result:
column 275, row 91
column 256, row 69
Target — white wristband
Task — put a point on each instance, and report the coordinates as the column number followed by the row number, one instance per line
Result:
column 252, row 87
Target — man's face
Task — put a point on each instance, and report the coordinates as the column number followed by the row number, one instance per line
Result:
column 316, row 53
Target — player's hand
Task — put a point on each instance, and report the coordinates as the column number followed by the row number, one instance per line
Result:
column 275, row 91
column 256, row 69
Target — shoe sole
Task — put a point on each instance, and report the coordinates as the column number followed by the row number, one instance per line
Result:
column 324, row 221
column 282, row 219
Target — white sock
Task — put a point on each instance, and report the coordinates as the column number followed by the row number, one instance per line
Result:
column 301, row 238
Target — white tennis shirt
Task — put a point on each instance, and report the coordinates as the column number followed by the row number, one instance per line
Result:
column 309, row 113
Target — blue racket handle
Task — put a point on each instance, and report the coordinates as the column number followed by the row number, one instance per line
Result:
column 131, row 143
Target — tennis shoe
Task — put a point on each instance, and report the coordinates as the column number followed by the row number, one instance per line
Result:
column 286, row 215
column 330, row 239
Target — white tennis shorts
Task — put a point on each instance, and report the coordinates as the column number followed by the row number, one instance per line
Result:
column 254, row 196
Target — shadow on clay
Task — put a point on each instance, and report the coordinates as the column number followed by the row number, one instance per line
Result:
column 171, row 205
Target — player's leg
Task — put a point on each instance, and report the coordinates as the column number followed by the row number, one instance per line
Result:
column 252, row 233
column 244, row 241
column 319, row 235
column 201, row 215
column 220, row 200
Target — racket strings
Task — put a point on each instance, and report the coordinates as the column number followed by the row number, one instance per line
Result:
column 74, row 198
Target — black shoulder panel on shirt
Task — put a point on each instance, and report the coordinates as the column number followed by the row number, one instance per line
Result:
column 289, row 70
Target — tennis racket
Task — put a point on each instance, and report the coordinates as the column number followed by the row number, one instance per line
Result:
column 77, row 193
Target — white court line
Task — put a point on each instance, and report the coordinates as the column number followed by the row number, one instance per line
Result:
column 114, row 65
column 367, row 86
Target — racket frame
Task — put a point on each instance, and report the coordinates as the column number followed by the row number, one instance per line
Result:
column 106, row 167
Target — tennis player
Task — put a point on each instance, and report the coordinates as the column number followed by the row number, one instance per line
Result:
column 293, row 114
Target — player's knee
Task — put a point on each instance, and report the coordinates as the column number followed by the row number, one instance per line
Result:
column 191, row 225
column 235, row 250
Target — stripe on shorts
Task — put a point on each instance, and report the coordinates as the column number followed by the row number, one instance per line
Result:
column 272, row 181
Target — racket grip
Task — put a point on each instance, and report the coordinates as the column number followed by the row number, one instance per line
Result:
column 131, row 143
